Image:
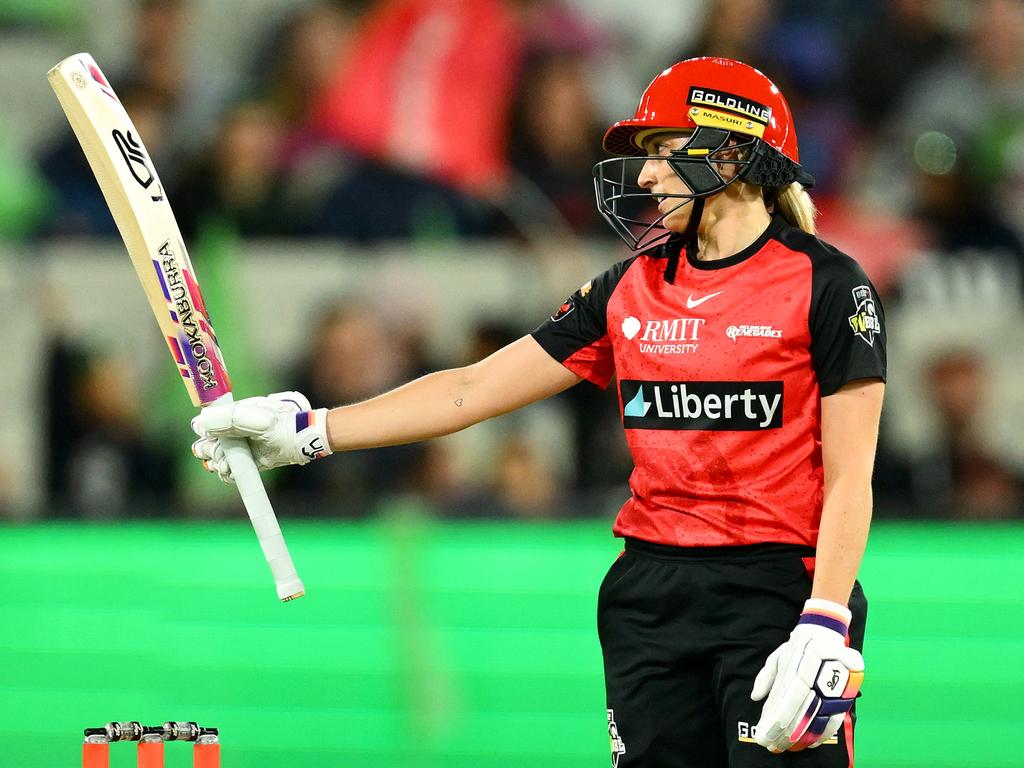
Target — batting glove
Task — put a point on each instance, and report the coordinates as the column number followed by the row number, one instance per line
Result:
column 281, row 429
column 811, row 681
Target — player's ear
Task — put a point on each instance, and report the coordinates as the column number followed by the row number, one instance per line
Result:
column 729, row 155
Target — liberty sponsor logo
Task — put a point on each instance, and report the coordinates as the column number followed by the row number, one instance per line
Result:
column 864, row 321
column 702, row 405
column 618, row 747
column 676, row 336
column 730, row 102
column 753, row 331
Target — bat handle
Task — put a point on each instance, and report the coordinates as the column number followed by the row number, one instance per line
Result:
column 257, row 504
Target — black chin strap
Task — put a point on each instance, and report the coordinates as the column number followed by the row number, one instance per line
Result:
column 688, row 239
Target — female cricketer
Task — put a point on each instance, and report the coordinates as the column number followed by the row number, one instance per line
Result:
column 749, row 358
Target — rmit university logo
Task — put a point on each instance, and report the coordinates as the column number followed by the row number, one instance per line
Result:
column 702, row 405
column 676, row 336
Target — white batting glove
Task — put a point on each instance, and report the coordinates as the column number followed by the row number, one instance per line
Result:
column 281, row 429
column 811, row 681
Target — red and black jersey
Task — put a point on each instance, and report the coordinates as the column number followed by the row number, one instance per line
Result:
column 721, row 367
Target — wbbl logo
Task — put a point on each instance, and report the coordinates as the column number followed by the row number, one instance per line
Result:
column 864, row 322
column 702, row 405
column 618, row 747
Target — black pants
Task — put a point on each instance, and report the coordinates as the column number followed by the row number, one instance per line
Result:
column 684, row 632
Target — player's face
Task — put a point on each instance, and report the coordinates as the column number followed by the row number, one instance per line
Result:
column 660, row 180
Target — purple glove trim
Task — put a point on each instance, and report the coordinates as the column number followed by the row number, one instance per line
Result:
column 821, row 620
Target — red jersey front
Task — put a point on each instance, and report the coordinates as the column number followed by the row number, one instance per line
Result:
column 721, row 367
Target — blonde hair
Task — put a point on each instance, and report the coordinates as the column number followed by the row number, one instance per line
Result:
column 796, row 207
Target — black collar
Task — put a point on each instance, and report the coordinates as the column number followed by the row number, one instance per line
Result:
column 774, row 226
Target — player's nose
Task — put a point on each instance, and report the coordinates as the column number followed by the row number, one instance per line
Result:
column 648, row 175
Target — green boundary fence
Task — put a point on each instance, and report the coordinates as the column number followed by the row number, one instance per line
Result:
column 446, row 644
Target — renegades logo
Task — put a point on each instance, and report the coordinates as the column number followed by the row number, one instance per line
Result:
column 563, row 310
column 569, row 305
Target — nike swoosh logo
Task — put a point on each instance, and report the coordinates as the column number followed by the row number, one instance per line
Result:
column 690, row 303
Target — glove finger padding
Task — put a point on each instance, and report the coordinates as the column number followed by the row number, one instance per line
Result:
column 213, row 420
column 765, row 678
column 252, row 417
column 211, row 453
column 246, row 418
column 789, row 701
column 297, row 400
column 207, row 448
column 851, row 659
column 223, row 471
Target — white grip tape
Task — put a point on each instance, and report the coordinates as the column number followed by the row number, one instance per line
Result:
column 261, row 513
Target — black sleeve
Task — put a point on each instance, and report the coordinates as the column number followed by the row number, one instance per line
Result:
column 847, row 323
column 582, row 319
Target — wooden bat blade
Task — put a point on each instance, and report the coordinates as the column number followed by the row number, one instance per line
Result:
column 136, row 198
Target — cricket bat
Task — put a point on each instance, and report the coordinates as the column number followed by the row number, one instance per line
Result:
column 138, row 202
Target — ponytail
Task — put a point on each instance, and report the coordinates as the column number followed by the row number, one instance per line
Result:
column 796, row 207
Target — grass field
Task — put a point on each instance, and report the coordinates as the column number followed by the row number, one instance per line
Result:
column 463, row 645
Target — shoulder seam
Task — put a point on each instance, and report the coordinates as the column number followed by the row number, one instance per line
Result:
column 810, row 245
column 626, row 265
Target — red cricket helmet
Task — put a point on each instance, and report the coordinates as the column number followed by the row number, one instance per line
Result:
column 726, row 104
column 707, row 91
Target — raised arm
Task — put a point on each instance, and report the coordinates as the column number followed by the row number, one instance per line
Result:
column 283, row 428
column 448, row 401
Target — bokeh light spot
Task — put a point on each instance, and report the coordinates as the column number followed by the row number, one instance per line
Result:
column 935, row 153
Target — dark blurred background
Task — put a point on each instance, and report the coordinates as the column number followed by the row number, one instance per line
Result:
column 374, row 189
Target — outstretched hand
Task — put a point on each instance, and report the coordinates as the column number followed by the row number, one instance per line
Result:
column 281, row 429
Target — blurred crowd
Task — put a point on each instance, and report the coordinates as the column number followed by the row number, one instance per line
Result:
column 375, row 121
